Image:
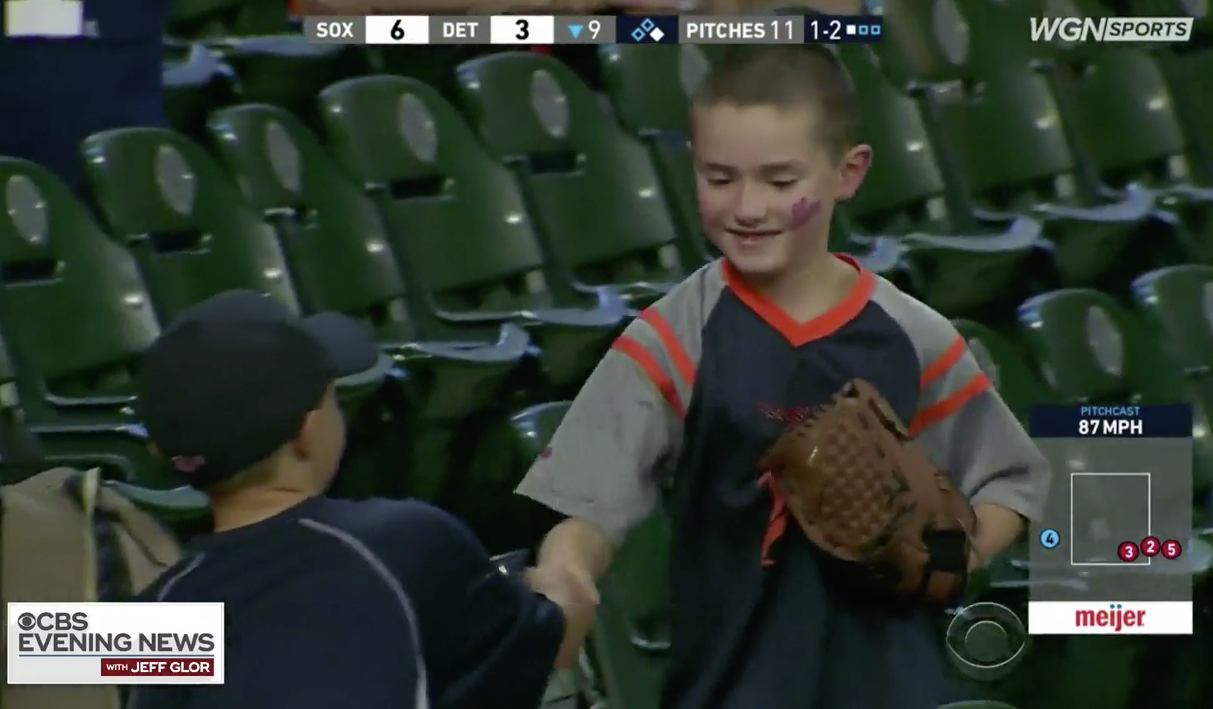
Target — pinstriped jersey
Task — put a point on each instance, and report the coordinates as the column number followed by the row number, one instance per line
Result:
column 680, row 411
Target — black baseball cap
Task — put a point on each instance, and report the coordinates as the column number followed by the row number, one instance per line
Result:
column 230, row 381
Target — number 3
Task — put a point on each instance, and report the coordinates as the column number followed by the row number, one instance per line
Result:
column 524, row 29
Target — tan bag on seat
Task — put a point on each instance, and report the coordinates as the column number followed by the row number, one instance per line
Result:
column 61, row 532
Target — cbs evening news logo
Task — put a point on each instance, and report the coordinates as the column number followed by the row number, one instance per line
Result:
column 115, row 643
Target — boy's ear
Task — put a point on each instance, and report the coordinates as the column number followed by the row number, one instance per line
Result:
column 852, row 169
column 305, row 441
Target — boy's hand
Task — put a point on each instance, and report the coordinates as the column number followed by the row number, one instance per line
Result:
column 563, row 585
column 574, row 591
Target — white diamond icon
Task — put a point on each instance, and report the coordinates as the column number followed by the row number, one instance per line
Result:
column 657, row 34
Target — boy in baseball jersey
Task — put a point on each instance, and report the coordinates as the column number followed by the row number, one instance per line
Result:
column 704, row 381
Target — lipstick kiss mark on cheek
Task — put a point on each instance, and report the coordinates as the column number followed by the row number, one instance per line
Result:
column 803, row 212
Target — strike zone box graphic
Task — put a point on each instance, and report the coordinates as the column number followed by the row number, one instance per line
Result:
column 115, row 643
column 1113, row 552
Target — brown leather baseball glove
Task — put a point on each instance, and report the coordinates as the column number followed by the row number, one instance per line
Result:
column 866, row 494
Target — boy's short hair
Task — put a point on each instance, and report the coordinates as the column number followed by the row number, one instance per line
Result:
column 785, row 76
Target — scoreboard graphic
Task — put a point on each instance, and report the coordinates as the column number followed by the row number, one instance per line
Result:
column 1112, row 553
column 604, row 29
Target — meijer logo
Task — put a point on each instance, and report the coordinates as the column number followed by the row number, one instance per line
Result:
column 1071, row 30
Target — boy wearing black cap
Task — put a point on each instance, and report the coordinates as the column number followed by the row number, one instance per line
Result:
column 379, row 603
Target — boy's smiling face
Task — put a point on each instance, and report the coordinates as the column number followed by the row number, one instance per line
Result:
column 767, row 186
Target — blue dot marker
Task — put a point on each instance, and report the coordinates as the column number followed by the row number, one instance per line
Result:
column 1049, row 539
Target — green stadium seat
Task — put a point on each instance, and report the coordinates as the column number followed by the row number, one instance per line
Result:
column 75, row 316
column 333, row 233
column 594, row 197
column 287, row 70
column 1178, row 306
column 1191, row 88
column 1179, row 301
column 1006, row 367
column 977, row 704
column 205, row 238
column 193, row 235
column 649, row 87
column 193, row 86
column 503, row 455
column 958, row 262
column 1091, row 350
column 342, row 258
column 997, row 122
column 459, row 225
column 1117, row 92
column 630, row 644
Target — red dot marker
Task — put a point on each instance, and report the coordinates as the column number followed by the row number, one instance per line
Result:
column 1150, row 546
column 1171, row 549
column 1127, row 551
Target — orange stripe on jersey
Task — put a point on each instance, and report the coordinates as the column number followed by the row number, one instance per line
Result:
column 944, row 361
column 652, row 369
column 673, row 346
column 950, row 404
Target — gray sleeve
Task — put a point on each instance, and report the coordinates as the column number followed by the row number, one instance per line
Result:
column 965, row 426
column 623, row 432
column 601, row 463
column 961, row 422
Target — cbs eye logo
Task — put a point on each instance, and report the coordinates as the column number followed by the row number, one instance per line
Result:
column 52, row 621
column 986, row 641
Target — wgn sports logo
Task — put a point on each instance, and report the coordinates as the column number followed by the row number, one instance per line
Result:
column 1071, row 30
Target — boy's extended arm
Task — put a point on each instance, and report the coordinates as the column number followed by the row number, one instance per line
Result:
column 578, row 544
column 597, row 469
column 968, row 430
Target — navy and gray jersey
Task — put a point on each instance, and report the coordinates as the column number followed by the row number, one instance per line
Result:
column 374, row 604
column 679, row 412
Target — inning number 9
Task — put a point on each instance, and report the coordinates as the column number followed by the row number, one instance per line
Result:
column 524, row 29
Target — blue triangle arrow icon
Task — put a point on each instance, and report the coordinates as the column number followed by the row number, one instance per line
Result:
column 575, row 30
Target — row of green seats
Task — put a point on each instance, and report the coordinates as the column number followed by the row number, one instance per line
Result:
column 939, row 179
column 461, row 333
column 287, row 71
